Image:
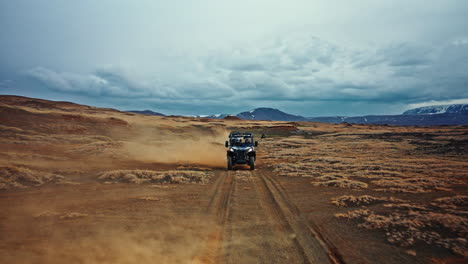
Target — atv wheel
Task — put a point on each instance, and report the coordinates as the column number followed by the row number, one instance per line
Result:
column 252, row 163
column 229, row 163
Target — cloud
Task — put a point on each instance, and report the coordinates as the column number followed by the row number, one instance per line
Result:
column 311, row 69
column 461, row 41
column 405, row 54
column 113, row 82
column 296, row 67
column 4, row 84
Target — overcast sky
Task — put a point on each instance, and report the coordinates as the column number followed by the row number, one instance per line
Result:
column 313, row 58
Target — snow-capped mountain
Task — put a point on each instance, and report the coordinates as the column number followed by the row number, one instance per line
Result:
column 439, row 109
column 269, row 114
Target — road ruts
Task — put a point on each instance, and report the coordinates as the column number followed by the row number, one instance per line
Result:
column 310, row 242
column 219, row 208
column 255, row 222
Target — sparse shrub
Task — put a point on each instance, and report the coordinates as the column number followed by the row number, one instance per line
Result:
column 298, row 169
column 458, row 200
column 331, row 177
column 98, row 148
column 355, row 214
column 18, row 177
column 411, row 185
column 349, row 200
column 149, row 198
column 63, row 216
column 379, row 174
column 243, row 175
column 47, row 214
column 406, row 228
column 148, row 176
column 342, row 183
column 72, row 215
column 407, row 206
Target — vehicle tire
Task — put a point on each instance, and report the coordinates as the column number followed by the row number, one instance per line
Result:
column 252, row 163
column 229, row 163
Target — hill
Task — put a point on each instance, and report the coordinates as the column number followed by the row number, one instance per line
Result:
column 264, row 113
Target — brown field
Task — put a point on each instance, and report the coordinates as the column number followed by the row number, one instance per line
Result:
column 81, row 184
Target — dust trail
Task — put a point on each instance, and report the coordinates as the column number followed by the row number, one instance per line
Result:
column 172, row 243
column 190, row 146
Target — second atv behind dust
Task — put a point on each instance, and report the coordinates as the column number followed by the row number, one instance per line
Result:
column 241, row 149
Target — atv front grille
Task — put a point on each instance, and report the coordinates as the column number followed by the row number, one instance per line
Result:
column 241, row 155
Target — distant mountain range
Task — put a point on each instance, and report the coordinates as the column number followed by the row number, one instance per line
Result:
column 404, row 120
column 147, row 112
column 455, row 114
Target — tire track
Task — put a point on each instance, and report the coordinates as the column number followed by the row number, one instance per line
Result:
column 310, row 243
column 215, row 193
column 269, row 205
column 314, row 229
column 219, row 207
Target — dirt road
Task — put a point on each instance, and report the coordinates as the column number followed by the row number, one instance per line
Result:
column 258, row 223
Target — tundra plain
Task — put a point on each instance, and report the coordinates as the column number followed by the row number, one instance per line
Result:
column 81, row 184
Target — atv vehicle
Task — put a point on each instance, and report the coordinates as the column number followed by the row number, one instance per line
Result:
column 241, row 149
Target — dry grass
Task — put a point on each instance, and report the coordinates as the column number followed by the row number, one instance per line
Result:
column 47, row 214
column 454, row 201
column 110, row 148
column 409, row 227
column 349, row 200
column 401, row 160
column 72, row 215
column 407, row 207
column 66, row 182
column 413, row 185
column 331, row 177
column 149, row 198
column 18, row 177
column 149, row 176
column 62, row 216
column 355, row 214
column 162, row 186
column 379, row 174
column 342, row 183
column 299, row 169
column 243, row 175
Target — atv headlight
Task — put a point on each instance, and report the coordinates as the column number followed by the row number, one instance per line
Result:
column 231, row 149
column 249, row 150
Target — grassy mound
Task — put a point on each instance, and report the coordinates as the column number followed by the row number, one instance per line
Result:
column 149, row 176
column 19, row 177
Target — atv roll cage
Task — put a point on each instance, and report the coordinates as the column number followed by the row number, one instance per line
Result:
column 238, row 138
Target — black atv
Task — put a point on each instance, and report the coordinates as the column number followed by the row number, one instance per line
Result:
column 241, row 149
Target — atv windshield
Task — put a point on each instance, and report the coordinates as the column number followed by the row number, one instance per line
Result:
column 242, row 142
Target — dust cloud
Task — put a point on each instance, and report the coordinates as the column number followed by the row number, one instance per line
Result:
column 190, row 146
column 171, row 243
